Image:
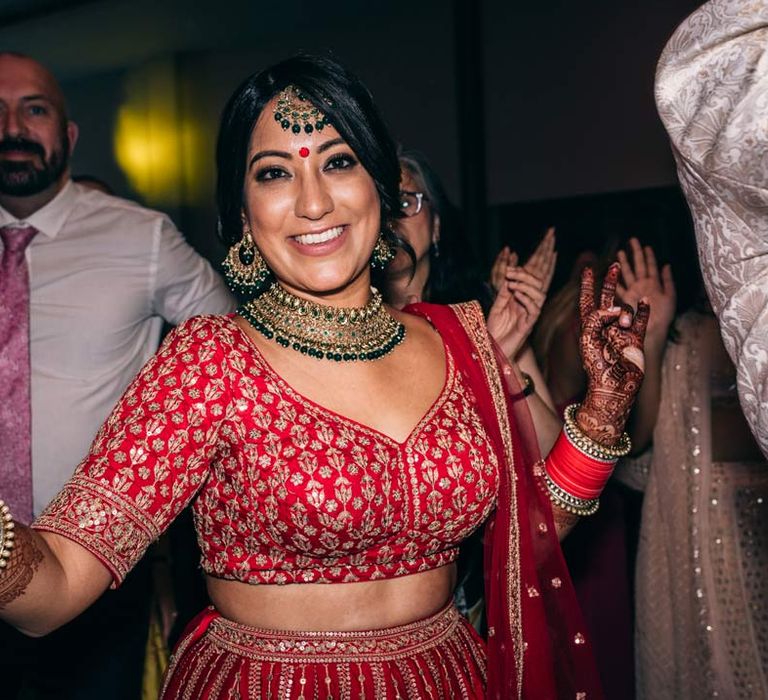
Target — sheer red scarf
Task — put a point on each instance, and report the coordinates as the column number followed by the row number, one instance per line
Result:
column 537, row 644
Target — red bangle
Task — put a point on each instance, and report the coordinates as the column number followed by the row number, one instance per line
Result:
column 576, row 472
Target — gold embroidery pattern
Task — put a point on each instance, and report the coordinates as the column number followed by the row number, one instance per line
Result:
column 285, row 491
column 439, row 657
column 472, row 320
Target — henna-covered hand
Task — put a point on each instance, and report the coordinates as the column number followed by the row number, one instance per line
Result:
column 612, row 352
column 24, row 561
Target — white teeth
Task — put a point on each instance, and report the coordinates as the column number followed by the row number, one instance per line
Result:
column 322, row 237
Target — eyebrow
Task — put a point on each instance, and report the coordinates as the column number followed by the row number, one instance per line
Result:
column 322, row 148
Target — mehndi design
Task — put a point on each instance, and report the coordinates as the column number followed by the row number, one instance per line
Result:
column 613, row 357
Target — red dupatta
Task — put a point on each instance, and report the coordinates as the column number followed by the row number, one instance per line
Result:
column 537, row 644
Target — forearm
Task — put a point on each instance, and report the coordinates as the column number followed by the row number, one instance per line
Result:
column 526, row 361
column 546, row 423
column 39, row 593
column 642, row 419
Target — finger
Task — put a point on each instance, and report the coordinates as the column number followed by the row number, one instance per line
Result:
column 650, row 261
column 512, row 259
column 668, row 282
column 500, row 302
column 608, row 291
column 528, row 304
column 621, row 292
column 626, row 316
column 586, row 294
column 533, row 264
column 520, row 274
column 594, row 324
column 640, row 323
column 547, row 280
column 627, row 274
column 533, row 292
column 630, row 352
column 497, row 269
column 547, row 240
column 638, row 258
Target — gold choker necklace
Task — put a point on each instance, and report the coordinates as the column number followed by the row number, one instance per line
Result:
column 343, row 335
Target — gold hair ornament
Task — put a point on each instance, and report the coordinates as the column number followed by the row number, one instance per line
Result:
column 294, row 111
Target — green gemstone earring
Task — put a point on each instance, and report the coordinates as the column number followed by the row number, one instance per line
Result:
column 383, row 253
column 244, row 267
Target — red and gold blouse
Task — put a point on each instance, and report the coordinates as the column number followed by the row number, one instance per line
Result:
column 284, row 490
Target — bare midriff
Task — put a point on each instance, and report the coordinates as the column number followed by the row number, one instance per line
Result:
column 340, row 607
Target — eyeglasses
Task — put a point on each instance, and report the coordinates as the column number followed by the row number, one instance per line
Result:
column 411, row 202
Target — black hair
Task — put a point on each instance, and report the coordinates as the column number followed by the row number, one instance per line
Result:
column 347, row 105
column 453, row 271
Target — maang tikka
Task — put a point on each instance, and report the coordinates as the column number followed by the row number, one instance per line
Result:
column 294, row 111
column 244, row 269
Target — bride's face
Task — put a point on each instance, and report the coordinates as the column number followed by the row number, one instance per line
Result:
column 313, row 209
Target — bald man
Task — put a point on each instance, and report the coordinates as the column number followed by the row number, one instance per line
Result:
column 102, row 274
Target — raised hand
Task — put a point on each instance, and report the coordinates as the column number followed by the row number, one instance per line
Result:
column 541, row 264
column 505, row 259
column 515, row 310
column 612, row 352
column 641, row 279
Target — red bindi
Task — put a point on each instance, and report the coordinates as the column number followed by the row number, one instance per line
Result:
column 303, row 151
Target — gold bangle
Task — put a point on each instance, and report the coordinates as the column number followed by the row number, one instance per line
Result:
column 568, row 502
column 589, row 446
column 6, row 534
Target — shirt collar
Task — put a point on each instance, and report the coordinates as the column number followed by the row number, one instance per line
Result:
column 50, row 218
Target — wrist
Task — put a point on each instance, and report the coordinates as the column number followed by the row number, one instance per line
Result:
column 654, row 344
column 602, row 417
column 528, row 387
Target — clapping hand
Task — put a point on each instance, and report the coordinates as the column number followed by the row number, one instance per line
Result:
column 612, row 352
column 521, row 293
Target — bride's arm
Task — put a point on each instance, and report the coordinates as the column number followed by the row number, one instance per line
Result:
column 47, row 581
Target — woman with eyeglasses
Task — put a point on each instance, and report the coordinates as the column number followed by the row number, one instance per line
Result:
column 445, row 272
column 336, row 451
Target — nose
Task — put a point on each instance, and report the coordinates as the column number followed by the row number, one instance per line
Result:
column 314, row 200
column 11, row 123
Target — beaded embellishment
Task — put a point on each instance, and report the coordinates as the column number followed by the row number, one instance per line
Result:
column 324, row 332
column 295, row 112
column 6, row 534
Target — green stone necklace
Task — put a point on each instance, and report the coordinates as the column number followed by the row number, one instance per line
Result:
column 324, row 332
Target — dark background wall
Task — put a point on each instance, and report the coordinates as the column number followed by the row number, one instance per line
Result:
column 568, row 107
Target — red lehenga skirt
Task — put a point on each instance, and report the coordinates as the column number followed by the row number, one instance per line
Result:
column 217, row 659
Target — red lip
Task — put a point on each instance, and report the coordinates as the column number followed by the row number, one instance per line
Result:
column 320, row 249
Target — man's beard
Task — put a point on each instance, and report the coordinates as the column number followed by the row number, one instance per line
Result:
column 24, row 178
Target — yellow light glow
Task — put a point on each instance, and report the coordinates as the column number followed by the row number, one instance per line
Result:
column 156, row 146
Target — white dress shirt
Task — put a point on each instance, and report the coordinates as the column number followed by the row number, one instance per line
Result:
column 104, row 274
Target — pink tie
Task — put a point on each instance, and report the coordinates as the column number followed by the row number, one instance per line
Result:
column 15, row 408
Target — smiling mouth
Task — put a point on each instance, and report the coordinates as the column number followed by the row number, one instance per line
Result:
column 321, row 237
